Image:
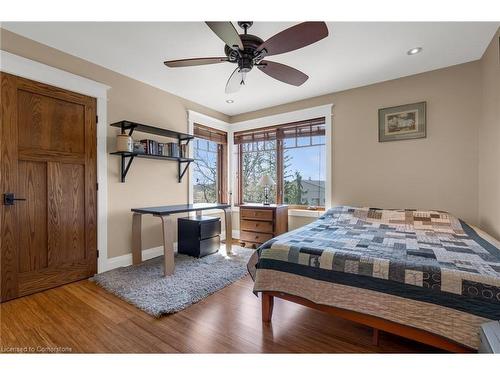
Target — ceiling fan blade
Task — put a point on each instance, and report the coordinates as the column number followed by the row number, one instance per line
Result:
column 227, row 32
column 194, row 62
column 234, row 82
column 283, row 73
column 295, row 37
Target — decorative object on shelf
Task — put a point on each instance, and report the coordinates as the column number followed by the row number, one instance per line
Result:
column 139, row 148
column 266, row 181
column 402, row 122
column 148, row 148
column 124, row 143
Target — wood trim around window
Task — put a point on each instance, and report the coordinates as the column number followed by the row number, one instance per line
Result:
column 210, row 134
column 305, row 128
column 219, row 137
column 279, row 172
column 278, row 133
column 222, row 176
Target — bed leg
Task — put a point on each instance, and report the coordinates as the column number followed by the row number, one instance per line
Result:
column 375, row 337
column 267, row 307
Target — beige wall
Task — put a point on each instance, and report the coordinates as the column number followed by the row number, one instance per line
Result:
column 489, row 141
column 149, row 182
column 438, row 172
column 295, row 222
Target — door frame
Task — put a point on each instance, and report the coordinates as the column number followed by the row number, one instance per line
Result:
column 30, row 69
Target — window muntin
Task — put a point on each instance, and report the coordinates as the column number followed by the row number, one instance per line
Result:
column 292, row 154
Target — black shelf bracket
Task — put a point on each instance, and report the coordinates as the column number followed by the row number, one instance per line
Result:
column 181, row 174
column 124, row 169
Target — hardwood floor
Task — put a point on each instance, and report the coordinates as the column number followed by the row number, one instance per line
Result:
column 82, row 317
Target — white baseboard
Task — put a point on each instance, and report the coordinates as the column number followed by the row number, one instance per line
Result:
column 126, row 260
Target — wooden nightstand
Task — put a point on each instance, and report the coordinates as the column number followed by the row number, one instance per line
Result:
column 260, row 223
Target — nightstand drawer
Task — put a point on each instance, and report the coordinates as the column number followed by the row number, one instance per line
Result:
column 255, row 237
column 256, row 214
column 209, row 229
column 257, row 226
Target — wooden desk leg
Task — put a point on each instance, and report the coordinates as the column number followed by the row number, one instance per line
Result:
column 136, row 238
column 168, row 244
column 229, row 229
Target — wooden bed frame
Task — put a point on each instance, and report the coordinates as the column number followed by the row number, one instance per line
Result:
column 378, row 324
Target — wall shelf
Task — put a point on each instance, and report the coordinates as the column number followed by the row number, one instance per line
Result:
column 128, row 157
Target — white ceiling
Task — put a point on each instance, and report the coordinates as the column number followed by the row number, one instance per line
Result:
column 354, row 54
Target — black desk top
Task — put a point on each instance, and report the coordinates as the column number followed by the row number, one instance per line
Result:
column 179, row 208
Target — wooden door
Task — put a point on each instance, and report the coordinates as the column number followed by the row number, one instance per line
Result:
column 48, row 158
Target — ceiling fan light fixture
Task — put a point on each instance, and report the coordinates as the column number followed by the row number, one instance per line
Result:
column 229, row 101
column 414, row 51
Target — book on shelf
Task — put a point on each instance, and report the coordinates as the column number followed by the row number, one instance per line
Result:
column 183, row 152
column 173, row 149
column 151, row 147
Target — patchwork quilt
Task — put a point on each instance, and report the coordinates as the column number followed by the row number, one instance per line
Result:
column 427, row 256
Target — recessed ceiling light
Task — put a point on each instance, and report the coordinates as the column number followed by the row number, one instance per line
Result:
column 414, row 51
column 229, row 101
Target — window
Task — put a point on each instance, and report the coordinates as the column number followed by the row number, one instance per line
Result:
column 258, row 158
column 292, row 154
column 304, row 171
column 209, row 171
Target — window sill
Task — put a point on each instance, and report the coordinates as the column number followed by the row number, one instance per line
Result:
column 295, row 212
column 304, row 212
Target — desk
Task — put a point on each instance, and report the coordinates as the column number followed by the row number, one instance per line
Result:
column 165, row 214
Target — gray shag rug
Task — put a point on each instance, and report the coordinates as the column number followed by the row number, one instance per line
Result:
column 145, row 286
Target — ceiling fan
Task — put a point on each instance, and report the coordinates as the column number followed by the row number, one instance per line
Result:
column 247, row 50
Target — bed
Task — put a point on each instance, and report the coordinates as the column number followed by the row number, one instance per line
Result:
column 424, row 275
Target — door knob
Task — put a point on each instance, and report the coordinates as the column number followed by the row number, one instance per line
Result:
column 9, row 199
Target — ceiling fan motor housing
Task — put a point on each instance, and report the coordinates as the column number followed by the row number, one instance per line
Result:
column 249, row 56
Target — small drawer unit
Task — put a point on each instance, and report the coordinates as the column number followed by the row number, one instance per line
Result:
column 259, row 223
column 198, row 236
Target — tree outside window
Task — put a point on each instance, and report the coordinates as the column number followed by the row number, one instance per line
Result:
column 293, row 154
column 205, row 171
column 258, row 159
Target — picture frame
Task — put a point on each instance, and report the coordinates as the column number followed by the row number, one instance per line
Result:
column 402, row 122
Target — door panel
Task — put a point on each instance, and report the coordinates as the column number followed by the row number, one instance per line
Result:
column 47, row 123
column 32, row 250
column 48, row 157
column 66, row 202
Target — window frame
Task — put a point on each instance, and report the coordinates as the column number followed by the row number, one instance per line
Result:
column 220, row 138
column 280, row 151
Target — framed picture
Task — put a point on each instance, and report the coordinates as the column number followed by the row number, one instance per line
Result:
column 402, row 122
